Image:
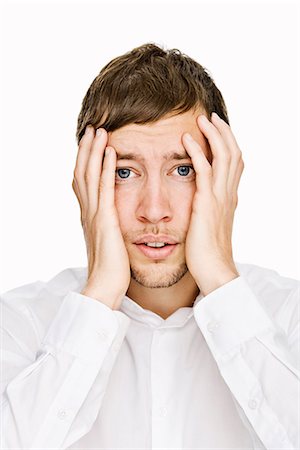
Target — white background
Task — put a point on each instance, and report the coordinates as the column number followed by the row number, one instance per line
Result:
column 50, row 54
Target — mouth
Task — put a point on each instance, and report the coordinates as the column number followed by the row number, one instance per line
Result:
column 156, row 252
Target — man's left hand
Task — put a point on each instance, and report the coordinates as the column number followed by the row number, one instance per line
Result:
column 208, row 244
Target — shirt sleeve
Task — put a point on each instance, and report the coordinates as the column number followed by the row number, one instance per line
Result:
column 53, row 400
column 257, row 357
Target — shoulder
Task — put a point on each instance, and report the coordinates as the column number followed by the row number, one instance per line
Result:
column 264, row 279
column 28, row 310
column 278, row 295
column 59, row 285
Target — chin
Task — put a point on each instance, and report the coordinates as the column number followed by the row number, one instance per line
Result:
column 158, row 275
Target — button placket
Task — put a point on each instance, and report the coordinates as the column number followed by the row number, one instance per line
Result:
column 62, row 414
column 162, row 411
column 252, row 403
column 157, row 352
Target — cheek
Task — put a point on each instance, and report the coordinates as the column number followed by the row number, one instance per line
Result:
column 183, row 193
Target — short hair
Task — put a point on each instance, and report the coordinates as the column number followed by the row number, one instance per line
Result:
column 146, row 84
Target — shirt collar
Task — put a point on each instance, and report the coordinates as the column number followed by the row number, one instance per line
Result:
column 150, row 318
column 147, row 317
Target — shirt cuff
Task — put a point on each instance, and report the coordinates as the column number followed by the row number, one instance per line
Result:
column 229, row 316
column 86, row 328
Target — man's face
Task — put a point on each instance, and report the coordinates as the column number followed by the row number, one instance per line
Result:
column 153, row 194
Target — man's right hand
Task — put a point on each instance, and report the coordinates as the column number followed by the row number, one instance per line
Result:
column 94, row 187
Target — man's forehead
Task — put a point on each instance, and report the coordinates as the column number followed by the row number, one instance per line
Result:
column 161, row 139
column 167, row 126
column 147, row 134
column 169, row 156
column 142, row 149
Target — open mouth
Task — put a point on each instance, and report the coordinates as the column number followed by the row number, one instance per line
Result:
column 157, row 252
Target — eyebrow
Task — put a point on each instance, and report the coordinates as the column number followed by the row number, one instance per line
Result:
column 171, row 156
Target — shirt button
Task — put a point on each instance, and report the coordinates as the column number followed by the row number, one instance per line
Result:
column 62, row 414
column 102, row 334
column 163, row 411
column 252, row 404
column 213, row 326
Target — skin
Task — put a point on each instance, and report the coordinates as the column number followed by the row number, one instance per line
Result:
column 196, row 209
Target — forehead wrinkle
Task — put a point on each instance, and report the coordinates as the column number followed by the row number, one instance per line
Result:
column 170, row 156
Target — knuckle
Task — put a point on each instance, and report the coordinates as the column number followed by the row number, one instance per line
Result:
column 239, row 154
column 236, row 158
column 77, row 173
column 83, row 218
column 87, row 177
column 233, row 198
column 235, row 201
column 101, row 184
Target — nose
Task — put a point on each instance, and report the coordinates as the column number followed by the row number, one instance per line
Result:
column 154, row 203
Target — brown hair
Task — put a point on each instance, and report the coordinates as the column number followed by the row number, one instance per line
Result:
column 144, row 85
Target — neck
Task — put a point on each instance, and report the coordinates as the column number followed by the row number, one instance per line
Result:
column 165, row 301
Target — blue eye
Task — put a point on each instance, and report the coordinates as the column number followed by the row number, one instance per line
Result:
column 124, row 173
column 184, row 172
column 121, row 172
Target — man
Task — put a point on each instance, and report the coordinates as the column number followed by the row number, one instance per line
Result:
column 163, row 341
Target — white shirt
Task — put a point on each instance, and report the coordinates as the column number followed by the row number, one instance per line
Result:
column 223, row 374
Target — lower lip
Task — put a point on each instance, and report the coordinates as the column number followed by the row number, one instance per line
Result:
column 157, row 253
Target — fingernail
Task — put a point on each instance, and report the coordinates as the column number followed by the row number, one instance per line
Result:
column 189, row 137
column 107, row 151
column 203, row 118
column 99, row 132
column 88, row 129
column 214, row 114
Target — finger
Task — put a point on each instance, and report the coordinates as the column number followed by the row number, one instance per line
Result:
column 94, row 170
column 231, row 143
column 221, row 155
column 238, row 175
column 81, row 163
column 78, row 196
column 200, row 163
column 226, row 132
column 107, row 182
